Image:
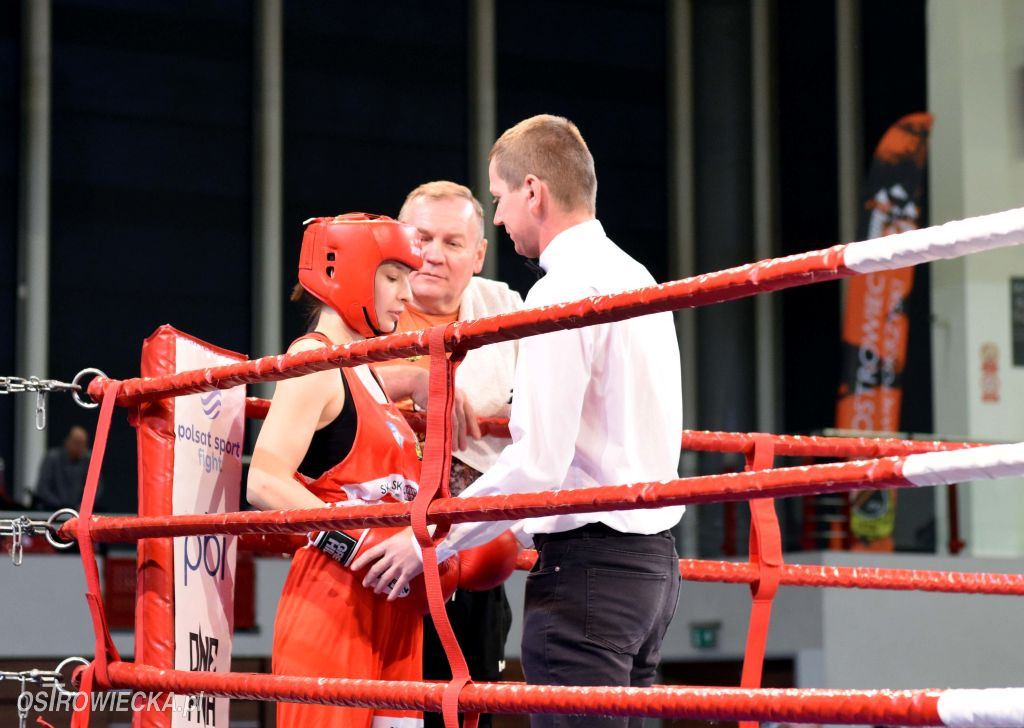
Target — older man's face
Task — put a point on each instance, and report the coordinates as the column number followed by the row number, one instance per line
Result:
column 452, row 252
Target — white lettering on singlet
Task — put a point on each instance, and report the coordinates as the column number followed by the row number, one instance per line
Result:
column 394, row 485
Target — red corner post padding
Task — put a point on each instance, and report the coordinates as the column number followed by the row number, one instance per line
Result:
column 166, row 352
column 154, row 606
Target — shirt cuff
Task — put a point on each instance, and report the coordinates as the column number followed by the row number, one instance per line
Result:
column 443, row 552
column 525, row 539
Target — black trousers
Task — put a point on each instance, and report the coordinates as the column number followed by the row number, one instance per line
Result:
column 598, row 604
column 481, row 621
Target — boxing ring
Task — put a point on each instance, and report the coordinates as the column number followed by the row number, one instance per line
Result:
column 888, row 463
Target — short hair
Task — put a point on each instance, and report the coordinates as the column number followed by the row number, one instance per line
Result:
column 443, row 190
column 551, row 148
column 75, row 429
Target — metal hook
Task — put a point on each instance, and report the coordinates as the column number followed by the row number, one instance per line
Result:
column 41, row 409
column 23, row 711
column 17, row 531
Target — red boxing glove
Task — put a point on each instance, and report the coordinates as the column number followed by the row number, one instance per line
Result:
column 417, row 589
column 486, row 566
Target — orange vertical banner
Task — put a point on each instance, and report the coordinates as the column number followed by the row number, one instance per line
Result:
column 875, row 324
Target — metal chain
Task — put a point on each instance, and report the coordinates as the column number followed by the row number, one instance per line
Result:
column 33, row 676
column 12, row 385
column 17, row 530
column 22, row 526
column 45, row 678
column 42, row 387
column 22, row 709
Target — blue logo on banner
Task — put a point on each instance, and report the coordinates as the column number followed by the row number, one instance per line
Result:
column 211, row 402
column 209, row 554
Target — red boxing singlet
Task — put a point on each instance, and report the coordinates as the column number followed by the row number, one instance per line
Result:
column 328, row 624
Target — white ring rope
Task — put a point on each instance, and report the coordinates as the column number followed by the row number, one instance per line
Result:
column 954, row 466
column 950, row 240
column 987, row 708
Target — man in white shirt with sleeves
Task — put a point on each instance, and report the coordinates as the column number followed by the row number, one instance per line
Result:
column 599, row 405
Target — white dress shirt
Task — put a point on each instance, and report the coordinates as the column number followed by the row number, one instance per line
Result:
column 485, row 375
column 598, row 405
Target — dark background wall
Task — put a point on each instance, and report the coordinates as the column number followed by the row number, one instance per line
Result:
column 10, row 67
column 611, row 80
column 151, row 190
column 375, row 103
column 892, row 49
column 808, row 208
column 152, row 163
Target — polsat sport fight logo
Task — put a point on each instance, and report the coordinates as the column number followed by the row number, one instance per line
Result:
column 211, row 448
column 211, row 404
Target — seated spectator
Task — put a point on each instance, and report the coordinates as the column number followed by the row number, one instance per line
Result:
column 62, row 473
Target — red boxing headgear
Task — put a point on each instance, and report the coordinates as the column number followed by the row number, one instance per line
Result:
column 339, row 260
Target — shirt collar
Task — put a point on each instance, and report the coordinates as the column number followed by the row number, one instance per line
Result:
column 565, row 246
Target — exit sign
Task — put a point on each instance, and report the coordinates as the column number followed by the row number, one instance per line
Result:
column 704, row 635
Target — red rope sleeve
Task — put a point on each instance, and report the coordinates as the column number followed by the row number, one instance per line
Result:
column 96, row 672
column 435, row 477
column 766, row 556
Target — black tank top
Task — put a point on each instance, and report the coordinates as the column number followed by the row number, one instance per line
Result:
column 333, row 442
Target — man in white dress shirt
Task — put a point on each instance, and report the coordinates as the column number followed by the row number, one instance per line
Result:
column 599, row 405
column 450, row 223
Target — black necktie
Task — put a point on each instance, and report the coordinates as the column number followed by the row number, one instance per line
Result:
column 534, row 267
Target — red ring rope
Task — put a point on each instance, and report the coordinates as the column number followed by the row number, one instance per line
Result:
column 953, row 239
column 874, row 707
column 903, row 707
column 805, row 480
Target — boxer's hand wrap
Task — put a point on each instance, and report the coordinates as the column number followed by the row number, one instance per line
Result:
column 343, row 548
column 340, row 546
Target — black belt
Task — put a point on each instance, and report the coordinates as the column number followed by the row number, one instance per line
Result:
column 591, row 530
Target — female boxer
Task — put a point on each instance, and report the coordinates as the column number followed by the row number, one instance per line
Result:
column 333, row 437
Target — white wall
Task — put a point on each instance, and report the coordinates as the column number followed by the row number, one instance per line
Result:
column 976, row 93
